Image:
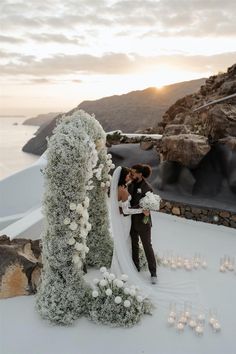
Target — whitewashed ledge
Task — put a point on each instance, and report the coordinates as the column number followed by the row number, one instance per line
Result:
column 22, row 331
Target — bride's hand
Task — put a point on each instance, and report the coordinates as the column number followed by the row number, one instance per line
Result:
column 146, row 212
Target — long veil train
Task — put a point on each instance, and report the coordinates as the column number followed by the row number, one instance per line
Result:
column 165, row 291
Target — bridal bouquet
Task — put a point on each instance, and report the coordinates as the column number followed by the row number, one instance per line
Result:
column 115, row 303
column 151, row 201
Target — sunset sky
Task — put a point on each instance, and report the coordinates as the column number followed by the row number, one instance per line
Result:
column 56, row 53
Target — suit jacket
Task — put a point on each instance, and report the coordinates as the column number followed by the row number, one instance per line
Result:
column 137, row 190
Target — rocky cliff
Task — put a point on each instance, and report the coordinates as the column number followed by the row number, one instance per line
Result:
column 199, row 137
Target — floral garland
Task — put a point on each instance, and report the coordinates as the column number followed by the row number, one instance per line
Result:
column 62, row 294
column 116, row 304
column 99, row 239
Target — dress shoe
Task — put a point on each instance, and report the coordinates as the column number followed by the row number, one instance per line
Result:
column 154, row 280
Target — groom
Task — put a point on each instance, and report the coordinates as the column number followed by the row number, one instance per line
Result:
column 137, row 189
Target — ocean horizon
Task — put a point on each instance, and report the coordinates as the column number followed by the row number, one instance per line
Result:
column 13, row 136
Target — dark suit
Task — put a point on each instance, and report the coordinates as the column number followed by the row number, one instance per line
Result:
column 137, row 191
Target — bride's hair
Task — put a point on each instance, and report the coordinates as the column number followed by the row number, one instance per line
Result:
column 123, row 173
column 146, row 170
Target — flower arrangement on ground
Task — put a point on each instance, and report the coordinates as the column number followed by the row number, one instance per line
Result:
column 113, row 302
column 150, row 201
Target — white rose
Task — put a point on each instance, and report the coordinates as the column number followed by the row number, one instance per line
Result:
column 73, row 226
column 83, row 233
column 86, row 202
column 139, row 298
column 111, row 277
column 79, row 246
column 108, row 183
column 95, row 293
column 86, row 249
column 127, row 303
column 124, row 277
column 108, row 292
column 103, row 185
column 66, row 221
column 72, row 206
column 71, row 241
column 119, row 284
column 79, row 208
column 76, row 259
column 126, row 291
column 112, row 166
column 106, row 275
column 103, row 269
column 101, row 166
column 132, row 292
column 118, row 299
column 89, row 226
column 96, row 281
column 85, row 214
column 89, row 188
column 109, row 156
column 103, row 282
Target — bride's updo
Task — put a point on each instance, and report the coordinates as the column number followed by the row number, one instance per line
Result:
column 123, row 173
column 146, row 170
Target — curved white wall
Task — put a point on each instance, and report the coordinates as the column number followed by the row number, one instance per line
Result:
column 21, row 193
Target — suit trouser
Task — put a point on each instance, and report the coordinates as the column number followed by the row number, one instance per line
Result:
column 144, row 231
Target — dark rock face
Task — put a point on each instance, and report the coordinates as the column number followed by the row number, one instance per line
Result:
column 208, row 148
column 129, row 112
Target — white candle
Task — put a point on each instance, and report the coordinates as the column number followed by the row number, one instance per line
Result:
column 180, row 326
column 216, row 326
column 171, row 320
column 192, row 323
column 199, row 329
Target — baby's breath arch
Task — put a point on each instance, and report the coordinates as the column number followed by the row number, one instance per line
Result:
column 75, row 208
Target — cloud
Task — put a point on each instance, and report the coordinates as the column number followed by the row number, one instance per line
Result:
column 114, row 64
column 10, row 39
column 56, row 38
column 156, row 18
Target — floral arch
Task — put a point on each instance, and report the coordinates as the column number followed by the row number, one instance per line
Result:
column 77, row 230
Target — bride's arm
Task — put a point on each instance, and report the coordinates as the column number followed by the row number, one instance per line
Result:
column 129, row 211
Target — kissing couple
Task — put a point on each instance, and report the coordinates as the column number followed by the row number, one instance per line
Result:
column 128, row 187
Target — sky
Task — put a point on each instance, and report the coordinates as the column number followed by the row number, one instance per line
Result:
column 55, row 54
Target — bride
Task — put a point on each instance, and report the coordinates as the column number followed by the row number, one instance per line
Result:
column 121, row 222
column 122, row 262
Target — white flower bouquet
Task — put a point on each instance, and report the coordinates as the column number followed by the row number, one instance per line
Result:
column 114, row 303
column 151, row 201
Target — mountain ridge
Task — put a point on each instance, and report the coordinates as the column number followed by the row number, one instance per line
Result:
column 129, row 112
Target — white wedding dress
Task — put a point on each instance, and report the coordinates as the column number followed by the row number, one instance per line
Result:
column 165, row 291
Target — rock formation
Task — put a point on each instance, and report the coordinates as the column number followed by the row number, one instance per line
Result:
column 202, row 139
column 20, row 266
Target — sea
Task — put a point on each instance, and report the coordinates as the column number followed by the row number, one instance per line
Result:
column 13, row 136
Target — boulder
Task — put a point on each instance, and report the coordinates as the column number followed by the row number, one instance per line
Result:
column 20, row 267
column 187, row 149
column 175, row 129
column 221, row 121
